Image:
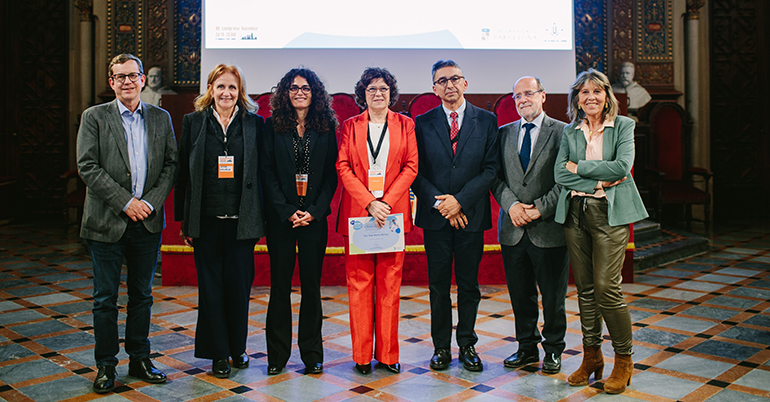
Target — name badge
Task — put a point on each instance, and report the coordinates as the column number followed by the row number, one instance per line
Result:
column 226, row 167
column 376, row 182
column 301, row 184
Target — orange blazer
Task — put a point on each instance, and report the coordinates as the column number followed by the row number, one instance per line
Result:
column 353, row 169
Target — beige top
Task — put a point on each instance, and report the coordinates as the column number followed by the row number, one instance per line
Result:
column 594, row 152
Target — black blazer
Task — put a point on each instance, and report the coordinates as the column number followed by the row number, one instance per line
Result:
column 187, row 195
column 278, row 170
column 468, row 175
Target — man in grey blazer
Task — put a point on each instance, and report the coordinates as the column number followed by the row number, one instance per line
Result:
column 127, row 156
column 533, row 245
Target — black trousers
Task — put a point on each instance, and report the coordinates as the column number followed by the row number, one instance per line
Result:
column 528, row 267
column 311, row 243
column 442, row 247
column 225, row 273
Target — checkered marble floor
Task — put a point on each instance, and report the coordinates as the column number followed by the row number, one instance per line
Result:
column 701, row 332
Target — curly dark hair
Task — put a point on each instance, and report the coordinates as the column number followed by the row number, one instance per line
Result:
column 371, row 74
column 320, row 115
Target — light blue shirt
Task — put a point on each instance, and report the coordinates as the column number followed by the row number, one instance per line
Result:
column 136, row 140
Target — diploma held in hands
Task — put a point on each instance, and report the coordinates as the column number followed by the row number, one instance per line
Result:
column 367, row 238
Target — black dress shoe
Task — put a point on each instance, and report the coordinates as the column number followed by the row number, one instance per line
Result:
column 315, row 368
column 241, row 362
column 393, row 368
column 221, row 368
column 145, row 370
column 441, row 359
column 521, row 358
column 364, row 368
column 470, row 359
column 105, row 380
column 551, row 363
column 274, row 370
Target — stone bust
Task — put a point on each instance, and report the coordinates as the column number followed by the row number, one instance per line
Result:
column 637, row 95
column 154, row 88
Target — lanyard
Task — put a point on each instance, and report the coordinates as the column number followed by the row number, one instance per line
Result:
column 375, row 153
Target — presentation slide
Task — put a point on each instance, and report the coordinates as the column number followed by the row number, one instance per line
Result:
column 494, row 41
column 397, row 24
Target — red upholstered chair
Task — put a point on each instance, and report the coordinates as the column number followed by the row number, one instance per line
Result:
column 422, row 103
column 263, row 101
column 505, row 109
column 344, row 106
column 670, row 174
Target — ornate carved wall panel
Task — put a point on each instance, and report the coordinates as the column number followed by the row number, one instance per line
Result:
column 187, row 44
column 38, row 79
column 739, row 86
column 156, row 35
column 654, row 22
column 623, row 48
column 590, row 35
column 124, row 28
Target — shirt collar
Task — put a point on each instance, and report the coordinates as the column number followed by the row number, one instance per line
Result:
column 538, row 121
column 122, row 108
column 219, row 118
column 460, row 110
column 607, row 123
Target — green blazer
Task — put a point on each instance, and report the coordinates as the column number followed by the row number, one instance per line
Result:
column 624, row 203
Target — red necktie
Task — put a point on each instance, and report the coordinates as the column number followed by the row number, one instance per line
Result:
column 453, row 130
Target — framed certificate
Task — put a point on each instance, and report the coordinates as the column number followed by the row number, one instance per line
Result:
column 366, row 238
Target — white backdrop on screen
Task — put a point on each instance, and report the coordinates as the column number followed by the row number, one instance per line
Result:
column 494, row 41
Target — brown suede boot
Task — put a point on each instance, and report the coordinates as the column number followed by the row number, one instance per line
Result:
column 593, row 362
column 621, row 375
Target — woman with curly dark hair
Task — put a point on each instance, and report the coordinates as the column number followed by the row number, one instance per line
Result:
column 298, row 155
column 376, row 142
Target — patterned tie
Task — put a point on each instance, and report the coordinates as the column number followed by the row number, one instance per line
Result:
column 454, row 129
column 526, row 146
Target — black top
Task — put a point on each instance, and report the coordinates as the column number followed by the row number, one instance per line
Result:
column 222, row 197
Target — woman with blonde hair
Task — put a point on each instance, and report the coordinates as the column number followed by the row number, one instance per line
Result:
column 217, row 199
column 598, row 201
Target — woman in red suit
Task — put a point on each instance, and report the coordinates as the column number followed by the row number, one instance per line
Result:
column 377, row 139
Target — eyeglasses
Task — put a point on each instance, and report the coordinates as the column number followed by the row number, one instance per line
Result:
column 120, row 78
column 373, row 90
column 527, row 94
column 294, row 89
column 443, row 81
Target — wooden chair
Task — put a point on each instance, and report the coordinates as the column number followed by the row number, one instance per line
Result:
column 75, row 198
column 670, row 172
column 505, row 109
column 422, row 103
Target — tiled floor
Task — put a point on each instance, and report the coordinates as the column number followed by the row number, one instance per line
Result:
column 701, row 332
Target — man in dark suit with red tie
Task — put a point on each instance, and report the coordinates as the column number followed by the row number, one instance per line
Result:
column 459, row 158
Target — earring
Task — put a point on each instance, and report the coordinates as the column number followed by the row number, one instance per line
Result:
column 607, row 105
column 580, row 107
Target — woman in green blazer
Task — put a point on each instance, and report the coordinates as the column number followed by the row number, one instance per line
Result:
column 597, row 203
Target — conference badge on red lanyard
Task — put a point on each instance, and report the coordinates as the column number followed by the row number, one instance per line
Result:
column 226, row 167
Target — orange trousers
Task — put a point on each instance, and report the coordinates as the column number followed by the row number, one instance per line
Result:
column 374, row 286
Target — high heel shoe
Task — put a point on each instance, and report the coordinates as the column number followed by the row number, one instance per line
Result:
column 593, row 362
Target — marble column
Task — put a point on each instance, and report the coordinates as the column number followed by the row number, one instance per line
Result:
column 692, row 80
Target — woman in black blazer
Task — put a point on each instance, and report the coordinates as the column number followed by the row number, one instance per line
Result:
column 217, row 198
column 298, row 156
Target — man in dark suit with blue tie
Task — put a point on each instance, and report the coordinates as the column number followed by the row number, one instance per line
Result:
column 127, row 157
column 459, row 158
column 533, row 245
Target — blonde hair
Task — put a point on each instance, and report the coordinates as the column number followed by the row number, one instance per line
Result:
column 206, row 99
column 612, row 106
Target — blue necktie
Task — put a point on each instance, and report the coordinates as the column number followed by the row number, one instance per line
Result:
column 526, row 146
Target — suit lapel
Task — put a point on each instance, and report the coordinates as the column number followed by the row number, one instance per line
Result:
column 394, row 137
column 287, row 143
column 580, row 143
column 361, row 129
column 608, row 142
column 248, row 131
column 198, row 144
column 512, row 146
column 152, row 146
column 542, row 139
column 118, row 132
column 440, row 128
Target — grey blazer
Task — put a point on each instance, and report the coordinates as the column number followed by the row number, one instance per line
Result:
column 189, row 187
column 103, row 164
column 535, row 186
